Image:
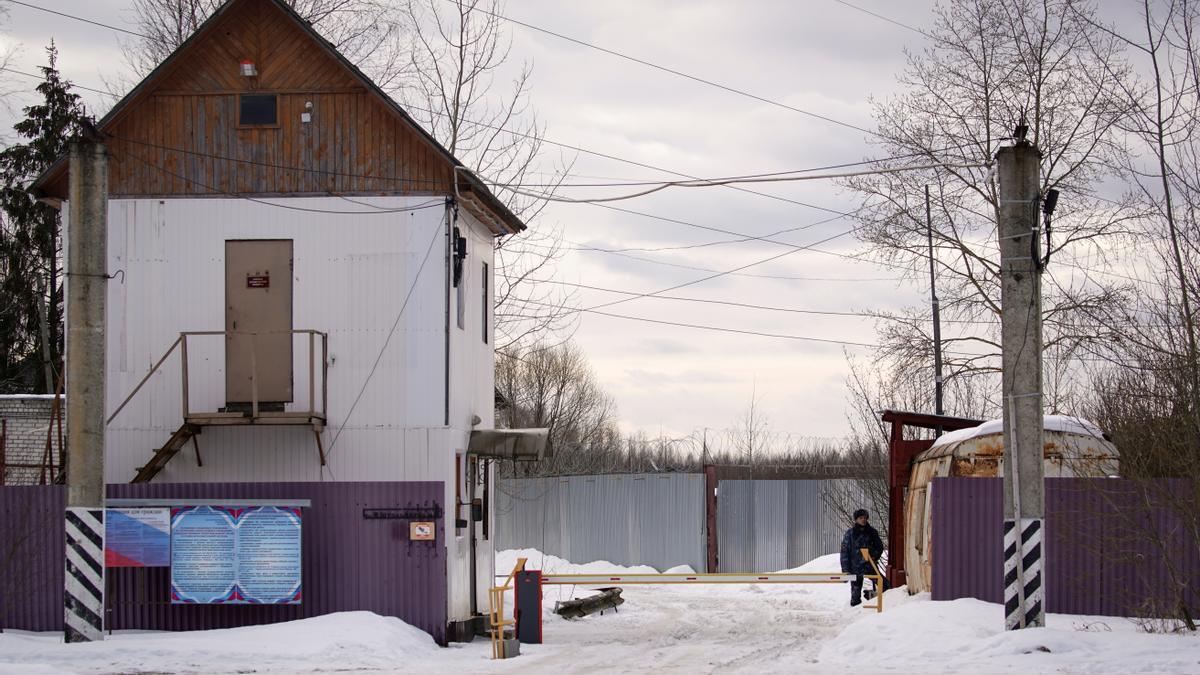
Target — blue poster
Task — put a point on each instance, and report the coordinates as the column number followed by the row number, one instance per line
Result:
column 235, row 555
column 137, row 537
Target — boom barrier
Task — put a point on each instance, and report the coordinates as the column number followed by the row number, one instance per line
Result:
column 499, row 623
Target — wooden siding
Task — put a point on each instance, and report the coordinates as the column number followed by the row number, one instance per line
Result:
column 180, row 135
column 177, row 144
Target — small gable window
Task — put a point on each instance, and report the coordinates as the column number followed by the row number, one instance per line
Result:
column 258, row 110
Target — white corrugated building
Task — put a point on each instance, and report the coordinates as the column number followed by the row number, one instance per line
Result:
column 316, row 270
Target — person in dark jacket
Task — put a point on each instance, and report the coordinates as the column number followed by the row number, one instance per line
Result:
column 860, row 536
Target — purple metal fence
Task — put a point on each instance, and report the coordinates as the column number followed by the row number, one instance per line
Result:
column 349, row 562
column 1114, row 547
column 31, row 557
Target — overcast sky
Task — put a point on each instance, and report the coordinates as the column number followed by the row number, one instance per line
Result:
column 816, row 55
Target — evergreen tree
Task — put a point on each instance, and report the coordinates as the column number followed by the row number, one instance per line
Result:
column 31, row 307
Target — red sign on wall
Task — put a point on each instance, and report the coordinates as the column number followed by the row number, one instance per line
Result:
column 258, row 281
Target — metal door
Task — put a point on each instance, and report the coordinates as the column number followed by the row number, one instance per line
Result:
column 258, row 320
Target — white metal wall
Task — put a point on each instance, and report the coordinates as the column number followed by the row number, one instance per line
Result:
column 354, row 263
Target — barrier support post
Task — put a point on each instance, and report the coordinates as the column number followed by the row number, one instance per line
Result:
column 878, row 577
column 496, row 611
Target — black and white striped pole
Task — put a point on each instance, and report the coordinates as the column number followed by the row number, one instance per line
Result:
column 86, row 265
column 1018, row 175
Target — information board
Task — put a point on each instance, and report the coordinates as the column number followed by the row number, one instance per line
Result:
column 235, row 555
column 137, row 537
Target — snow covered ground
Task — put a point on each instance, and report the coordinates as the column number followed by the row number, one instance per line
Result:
column 779, row 628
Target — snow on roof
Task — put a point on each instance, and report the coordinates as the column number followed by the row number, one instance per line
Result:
column 1067, row 424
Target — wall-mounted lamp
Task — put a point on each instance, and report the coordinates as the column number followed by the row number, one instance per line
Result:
column 1050, row 202
column 458, row 246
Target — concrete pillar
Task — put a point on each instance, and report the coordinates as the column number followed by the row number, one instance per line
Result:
column 1021, row 337
column 87, row 277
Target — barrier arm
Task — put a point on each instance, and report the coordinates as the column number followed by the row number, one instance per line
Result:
column 496, row 610
column 878, row 577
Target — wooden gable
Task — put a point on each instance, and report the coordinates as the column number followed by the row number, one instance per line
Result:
column 178, row 132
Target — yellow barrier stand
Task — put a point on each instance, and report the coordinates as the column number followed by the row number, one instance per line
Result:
column 496, row 611
column 878, row 577
column 496, row 593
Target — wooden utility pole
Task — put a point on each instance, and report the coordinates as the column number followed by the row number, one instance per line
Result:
column 1018, row 169
column 87, row 276
column 937, row 315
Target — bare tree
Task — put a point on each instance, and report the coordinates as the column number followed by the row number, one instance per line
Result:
column 992, row 65
column 1147, row 383
column 1164, row 121
column 554, row 388
column 459, row 49
column 752, row 435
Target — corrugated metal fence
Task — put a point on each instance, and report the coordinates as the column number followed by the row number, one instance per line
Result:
column 349, row 562
column 770, row 525
column 658, row 520
column 630, row 519
column 1114, row 547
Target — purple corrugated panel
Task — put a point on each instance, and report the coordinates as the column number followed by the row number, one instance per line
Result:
column 349, row 562
column 1113, row 547
column 967, row 536
column 31, row 557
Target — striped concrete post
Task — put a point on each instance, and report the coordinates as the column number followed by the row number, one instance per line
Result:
column 1018, row 175
column 87, row 274
column 84, row 580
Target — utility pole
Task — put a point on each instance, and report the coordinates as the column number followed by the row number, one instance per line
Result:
column 1018, row 169
column 87, row 260
column 937, row 317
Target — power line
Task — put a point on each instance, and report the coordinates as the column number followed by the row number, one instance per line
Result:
column 694, row 78
column 727, row 272
column 779, row 277
column 743, row 237
column 766, row 239
column 885, row 18
column 729, row 181
column 720, row 329
column 618, row 182
column 39, row 77
column 709, row 301
column 581, row 247
column 79, row 18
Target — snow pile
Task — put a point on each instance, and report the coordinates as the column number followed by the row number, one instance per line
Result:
column 968, row 636
column 1066, row 424
column 550, row 564
column 346, row 640
column 755, row 628
column 826, row 563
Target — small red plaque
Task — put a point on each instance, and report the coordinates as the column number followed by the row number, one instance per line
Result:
column 421, row 531
column 258, row 281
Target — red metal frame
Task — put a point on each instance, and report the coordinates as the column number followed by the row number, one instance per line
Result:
column 710, row 516
column 901, row 454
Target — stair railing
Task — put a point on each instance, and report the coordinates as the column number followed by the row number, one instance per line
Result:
column 181, row 343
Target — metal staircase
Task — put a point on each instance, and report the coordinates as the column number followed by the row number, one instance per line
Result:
column 255, row 413
column 186, row 432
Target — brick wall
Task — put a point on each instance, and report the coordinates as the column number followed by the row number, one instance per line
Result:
column 26, row 418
